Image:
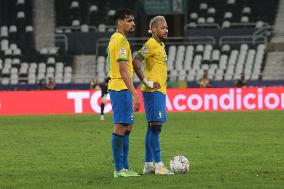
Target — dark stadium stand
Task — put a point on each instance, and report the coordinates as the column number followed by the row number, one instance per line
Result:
column 224, row 37
column 16, row 30
column 239, row 43
column 226, row 13
column 20, row 63
column 88, row 15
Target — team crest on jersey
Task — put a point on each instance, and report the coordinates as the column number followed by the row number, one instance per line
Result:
column 122, row 51
column 145, row 49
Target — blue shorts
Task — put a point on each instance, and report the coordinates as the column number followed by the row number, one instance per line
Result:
column 155, row 106
column 121, row 102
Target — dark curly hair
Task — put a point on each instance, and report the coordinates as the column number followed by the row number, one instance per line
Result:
column 121, row 14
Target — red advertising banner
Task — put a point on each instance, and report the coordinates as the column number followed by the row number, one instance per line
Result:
column 178, row 100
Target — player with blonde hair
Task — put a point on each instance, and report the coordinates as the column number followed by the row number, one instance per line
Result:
column 154, row 91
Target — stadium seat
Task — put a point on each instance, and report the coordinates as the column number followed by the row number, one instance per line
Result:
column 20, row 2
column 222, row 59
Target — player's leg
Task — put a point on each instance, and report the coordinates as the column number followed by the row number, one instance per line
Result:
column 154, row 138
column 126, row 152
column 128, row 119
column 155, row 131
column 148, row 157
column 148, row 153
column 120, row 147
column 126, row 146
column 157, row 116
column 117, row 146
column 103, row 107
column 117, row 135
column 149, row 165
column 123, row 115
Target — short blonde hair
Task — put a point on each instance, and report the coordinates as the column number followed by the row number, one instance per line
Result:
column 155, row 20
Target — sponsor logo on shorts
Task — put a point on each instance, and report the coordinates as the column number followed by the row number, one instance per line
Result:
column 160, row 114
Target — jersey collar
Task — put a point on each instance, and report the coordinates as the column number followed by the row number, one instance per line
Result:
column 160, row 43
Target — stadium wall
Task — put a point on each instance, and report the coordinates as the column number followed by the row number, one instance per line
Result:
column 178, row 100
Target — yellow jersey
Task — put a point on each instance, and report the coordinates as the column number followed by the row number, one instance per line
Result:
column 118, row 50
column 155, row 64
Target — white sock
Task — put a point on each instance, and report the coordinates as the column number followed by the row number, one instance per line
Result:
column 159, row 165
column 149, row 164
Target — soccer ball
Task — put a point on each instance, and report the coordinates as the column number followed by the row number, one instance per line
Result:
column 179, row 164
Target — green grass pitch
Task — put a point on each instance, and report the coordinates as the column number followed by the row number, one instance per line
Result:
column 225, row 149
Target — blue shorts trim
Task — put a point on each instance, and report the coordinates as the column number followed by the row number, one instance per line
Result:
column 155, row 106
column 121, row 102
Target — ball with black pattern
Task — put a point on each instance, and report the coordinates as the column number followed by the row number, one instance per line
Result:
column 179, row 164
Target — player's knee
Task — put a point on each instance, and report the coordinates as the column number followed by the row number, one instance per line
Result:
column 119, row 129
column 129, row 128
column 119, row 132
column 156, row 128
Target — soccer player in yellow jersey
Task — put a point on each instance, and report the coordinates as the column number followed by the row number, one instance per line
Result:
column 154, row 91
column 121, row 91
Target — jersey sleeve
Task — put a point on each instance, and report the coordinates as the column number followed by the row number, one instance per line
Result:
column 121, row 50
column 146, row 51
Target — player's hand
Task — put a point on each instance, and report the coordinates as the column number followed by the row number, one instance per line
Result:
column 136, row 103
column 156, row 85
